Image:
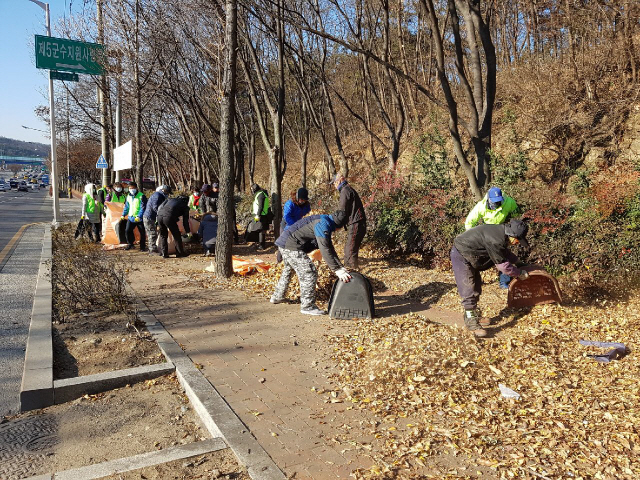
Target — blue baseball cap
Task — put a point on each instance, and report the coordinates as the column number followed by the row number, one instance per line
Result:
column 495, row 195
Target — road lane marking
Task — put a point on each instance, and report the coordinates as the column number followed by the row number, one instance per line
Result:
column 7, row 249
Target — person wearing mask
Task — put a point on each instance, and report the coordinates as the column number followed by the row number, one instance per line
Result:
column 261, row 212
column 150, row 216
column 356, row 224
column 295, row 243
column 478, row 249
column 117, row 195
column 134, row 207
column 168, row 215
column 92, row 212
column 494, row 209
column 208, row 232
column 208, row 200
column 194, row 199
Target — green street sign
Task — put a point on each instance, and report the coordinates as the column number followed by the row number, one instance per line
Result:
column 69, row 55
column 69, row 77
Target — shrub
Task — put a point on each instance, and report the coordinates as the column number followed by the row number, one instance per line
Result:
column 85, row 277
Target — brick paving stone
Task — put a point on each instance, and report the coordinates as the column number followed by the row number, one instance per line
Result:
column 304, row 420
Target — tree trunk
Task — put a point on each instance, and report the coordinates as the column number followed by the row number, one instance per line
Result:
column 226, row 217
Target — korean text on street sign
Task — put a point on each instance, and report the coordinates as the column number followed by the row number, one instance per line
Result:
column 69, row 55
column 102, row 163
column 69, row 77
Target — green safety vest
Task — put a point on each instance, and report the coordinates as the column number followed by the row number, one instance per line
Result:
column 118, row 198
column 491, row 217
column 91, row 204
column 265, row 205
column 134, row 205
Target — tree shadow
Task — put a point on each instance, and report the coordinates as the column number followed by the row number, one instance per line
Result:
column 430, row 293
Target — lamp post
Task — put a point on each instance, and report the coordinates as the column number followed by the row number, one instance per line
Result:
column 52, row 125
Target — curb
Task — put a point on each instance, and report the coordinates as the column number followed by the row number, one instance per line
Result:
column 69, row 389
column 217, row 416
column 36, row 390
column 136, row 462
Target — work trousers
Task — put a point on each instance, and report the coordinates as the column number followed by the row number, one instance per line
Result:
column 131, row 239
column 166, row 225
column 307, row 277
column 152, row 232
column 355, row 234
column 95, row 232
column 468, row 280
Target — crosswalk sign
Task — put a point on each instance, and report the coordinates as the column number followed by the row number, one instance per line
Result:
column 102, row 163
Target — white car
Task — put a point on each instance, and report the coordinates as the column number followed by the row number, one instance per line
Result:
column 4, row 187
column 35, row 186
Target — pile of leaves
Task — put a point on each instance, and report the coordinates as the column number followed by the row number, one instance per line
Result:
column 576, row 418
column 264, row 283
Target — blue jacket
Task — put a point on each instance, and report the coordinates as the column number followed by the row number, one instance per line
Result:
column 151, row 212
column 291, row 213
column 310, row 233
column 127, row 204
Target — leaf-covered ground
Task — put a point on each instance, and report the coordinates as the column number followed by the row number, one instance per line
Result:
column 433, row 390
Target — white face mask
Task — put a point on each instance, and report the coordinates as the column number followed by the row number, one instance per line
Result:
column 133, row 191
column 118, row 189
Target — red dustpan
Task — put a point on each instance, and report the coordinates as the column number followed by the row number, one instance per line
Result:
column 538, row 289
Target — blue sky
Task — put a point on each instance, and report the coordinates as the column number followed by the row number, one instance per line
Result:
column 22, row 86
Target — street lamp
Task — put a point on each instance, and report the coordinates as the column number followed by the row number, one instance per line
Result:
column 36, row 129
column 52, row 125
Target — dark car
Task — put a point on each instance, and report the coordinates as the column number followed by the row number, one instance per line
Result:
column 13, row 183
column 22, row 186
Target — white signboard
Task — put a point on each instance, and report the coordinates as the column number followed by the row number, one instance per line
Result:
column 122, row 156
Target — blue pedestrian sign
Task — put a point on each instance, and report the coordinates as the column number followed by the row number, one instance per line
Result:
column 102, row 163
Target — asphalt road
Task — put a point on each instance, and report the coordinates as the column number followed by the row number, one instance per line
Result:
column 18, row 276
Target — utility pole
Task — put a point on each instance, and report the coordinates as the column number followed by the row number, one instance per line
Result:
column 52, row 126
column 102, row 98
column 118, row 108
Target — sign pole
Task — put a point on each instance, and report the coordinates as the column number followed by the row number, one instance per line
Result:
column 52, row 123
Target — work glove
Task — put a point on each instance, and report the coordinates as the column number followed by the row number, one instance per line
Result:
column 257, row 218
column 343, row 275
column 82, row 217
column 123, row 218
column 523, row 275
column 137, row 219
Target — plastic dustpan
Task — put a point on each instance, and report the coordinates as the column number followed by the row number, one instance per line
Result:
column 540, row 288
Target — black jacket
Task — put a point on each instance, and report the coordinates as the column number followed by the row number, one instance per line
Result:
column 351, row 204
column 484, row 246
column 174, row 208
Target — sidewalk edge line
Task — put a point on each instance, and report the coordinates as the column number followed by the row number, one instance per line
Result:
column 218, row 417
column 36, row 389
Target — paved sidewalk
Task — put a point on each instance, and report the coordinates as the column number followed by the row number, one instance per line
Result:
column 267, row 362
column 270, row 363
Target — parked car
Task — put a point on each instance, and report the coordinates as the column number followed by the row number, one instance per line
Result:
column 22, row 186
column 13, row 183
column 4, row 187
column 35, row 186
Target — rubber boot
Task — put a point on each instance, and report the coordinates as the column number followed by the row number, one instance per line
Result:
column 472, row 322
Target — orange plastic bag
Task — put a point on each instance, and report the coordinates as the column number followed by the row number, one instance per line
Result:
column 244, row 267
column 110, row 224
